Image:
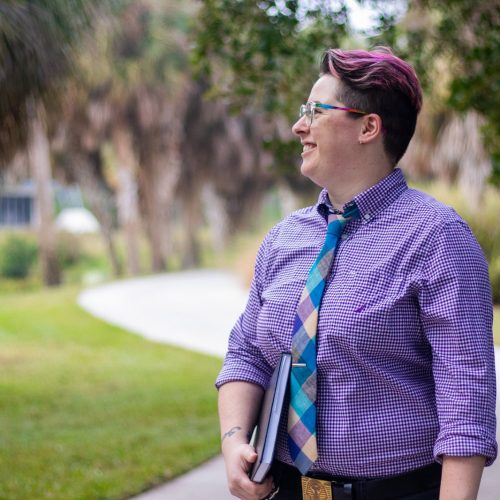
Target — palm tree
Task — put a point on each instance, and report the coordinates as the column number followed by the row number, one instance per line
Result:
column 224, row 167
column 39, row 161
column 83, row 127
column 35, row 38
column 140, row 60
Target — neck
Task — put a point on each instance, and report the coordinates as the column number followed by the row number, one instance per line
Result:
column 354, row 181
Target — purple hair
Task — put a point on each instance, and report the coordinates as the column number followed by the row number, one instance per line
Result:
column 379, row 82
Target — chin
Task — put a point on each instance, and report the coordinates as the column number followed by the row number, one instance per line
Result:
column 307, row 168
column 309, row 172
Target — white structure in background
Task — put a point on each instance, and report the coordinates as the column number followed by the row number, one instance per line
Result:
column 77, row 220
column 18, row 202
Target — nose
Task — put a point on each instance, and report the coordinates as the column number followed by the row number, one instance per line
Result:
column 300, row 126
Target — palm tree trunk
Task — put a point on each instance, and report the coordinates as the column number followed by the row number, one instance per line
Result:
column 159, row 181
column 40, row 166
column 159, row 176
column 217, row 217
column 191, row 216
column 153, row 219
column 87, row 168
column 127, row 196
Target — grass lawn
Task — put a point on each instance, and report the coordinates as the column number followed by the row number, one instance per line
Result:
column 90, row 411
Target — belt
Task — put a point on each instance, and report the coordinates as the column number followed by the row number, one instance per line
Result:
column 318, row 485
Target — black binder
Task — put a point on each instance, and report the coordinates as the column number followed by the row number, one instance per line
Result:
column 269, row 419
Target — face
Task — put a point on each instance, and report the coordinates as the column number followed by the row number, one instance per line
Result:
column 329, row 143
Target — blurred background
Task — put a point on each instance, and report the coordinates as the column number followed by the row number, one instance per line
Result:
column 149, row 136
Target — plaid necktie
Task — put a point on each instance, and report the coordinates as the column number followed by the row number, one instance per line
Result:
column 302, row 411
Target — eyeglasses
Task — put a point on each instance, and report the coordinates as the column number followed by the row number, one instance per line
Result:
column 308, row 110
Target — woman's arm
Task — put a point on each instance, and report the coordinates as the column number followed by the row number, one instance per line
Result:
column 461, row 477
column 239, row 404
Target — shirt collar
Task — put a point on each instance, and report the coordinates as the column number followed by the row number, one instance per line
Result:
column 373, row 200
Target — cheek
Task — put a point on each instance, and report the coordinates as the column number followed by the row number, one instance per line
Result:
column 326, row 141
column 324, row 132
column 337, row 141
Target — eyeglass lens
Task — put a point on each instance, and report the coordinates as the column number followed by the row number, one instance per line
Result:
column 308, row 110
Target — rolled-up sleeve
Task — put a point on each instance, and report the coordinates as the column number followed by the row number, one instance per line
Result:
column 244, row 360
column 457, row 316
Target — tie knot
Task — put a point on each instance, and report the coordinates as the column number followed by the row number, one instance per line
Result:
column 336, row 221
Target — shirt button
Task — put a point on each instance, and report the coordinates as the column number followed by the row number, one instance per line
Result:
column 344, row 236
column 367, row 216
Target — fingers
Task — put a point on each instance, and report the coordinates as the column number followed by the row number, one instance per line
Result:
column 239, row 461
column 249, row 456
column 245, row 489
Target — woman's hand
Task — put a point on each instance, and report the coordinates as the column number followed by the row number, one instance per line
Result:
column 239, row 458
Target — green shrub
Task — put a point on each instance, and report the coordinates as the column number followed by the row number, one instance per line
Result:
column 488, row 236
column 484, row 223
column 17, row 256
column 495, row 279
column 487, row 233
column 69, row 250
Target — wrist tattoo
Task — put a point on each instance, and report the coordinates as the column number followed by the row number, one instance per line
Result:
column 230, row 432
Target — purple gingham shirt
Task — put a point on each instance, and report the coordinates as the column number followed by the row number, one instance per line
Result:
column 405, row 353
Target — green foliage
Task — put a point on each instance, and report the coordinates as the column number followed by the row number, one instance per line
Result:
column 488, row 237
column 69, row 249
column 81, row 258
column 484, row 224
column 90, row 411
column 36, row 39
column 463, row 39
column 285, row 154
column 265, row 53
column 144, row 45
column 147, row 45
column 470, row 31
column 496, row 325
column 17, row 256
column 495, row 278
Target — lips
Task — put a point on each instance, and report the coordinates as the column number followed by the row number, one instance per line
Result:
column 308, row 146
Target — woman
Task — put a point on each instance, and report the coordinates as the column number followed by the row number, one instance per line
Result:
column 390, row 326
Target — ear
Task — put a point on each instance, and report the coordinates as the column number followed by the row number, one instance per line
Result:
column 371, row 128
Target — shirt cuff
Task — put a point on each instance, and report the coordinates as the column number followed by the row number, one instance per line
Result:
column 236, row 370
column 466, row 441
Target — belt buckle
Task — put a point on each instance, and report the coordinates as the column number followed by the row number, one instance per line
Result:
column 316, row 489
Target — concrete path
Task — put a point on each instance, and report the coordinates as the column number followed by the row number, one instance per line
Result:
column 192, row 309
column 184, row 309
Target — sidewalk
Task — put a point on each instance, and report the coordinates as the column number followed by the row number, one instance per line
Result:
column 160, row 308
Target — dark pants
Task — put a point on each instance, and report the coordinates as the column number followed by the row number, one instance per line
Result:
column 422, row 484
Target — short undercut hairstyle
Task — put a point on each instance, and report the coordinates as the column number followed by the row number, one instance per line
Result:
column 378, row 82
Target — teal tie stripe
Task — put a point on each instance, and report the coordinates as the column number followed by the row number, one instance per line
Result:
column 302, row 412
